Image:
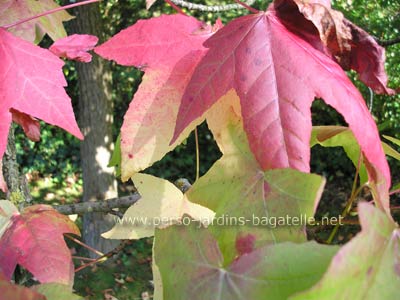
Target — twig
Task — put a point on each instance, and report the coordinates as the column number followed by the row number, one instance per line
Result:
column 83, row 244
column 388, row 42
column 83, row 258
column 97, row 206
column 211, row 8
column 176, row 7
column 107, row 206
column 104, row 256
column 353, row 195
column 246, row 6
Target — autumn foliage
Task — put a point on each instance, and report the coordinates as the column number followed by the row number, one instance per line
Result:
column 253, row 81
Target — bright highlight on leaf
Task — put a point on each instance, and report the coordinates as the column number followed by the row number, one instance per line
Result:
column 35, row 241
column 7, row 210
column 367, row 267
column 157, row 208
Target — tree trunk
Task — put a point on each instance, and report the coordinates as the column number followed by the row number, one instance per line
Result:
column 95, row 120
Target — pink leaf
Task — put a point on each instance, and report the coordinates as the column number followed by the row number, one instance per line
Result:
column 35, row 241
column 32, row 82
column 75, row 47
column 277, row 75
column 168, row 48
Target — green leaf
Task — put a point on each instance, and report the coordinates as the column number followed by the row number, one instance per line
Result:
column 238, row 190
column 366, row 268
column 57, row 291
column 192, row 267
column 392, row 139
column 340, row 136
column 115, row 160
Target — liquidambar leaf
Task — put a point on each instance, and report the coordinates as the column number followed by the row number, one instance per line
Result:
column 75, row 47
column 334, row 136
column 167, row 48
column 157, row 208
column 9, row 291
column 35, row 241
column 351, row 46
column 7, row 210
column 31, row 126
column 192, row 267
column 236, row 187
column 32, row 82
column 277, row 75
column 34, row 30
column 56, row 291
column 367, row 267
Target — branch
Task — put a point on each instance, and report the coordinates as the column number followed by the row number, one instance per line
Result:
column 389, row 42
column 98, row 206
column 107, row 206
column 211, row 8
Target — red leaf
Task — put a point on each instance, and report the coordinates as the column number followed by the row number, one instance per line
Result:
column 32, row 82
column 168, row 48
column 9, row 291
column 30, row 125
column 329, row 31
column 35, row 241
column 245, row 243
column 277, row 75
column 75, row 47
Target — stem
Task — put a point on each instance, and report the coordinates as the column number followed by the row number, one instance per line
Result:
column 97, row 206
column 353, row 195
column 249, row 8
column 104, row 256
column 196, row 136
column 394, row 192
column 83, row 258
column 83, row 245
column 176, row 7
column 49, row 12
column 345, row 211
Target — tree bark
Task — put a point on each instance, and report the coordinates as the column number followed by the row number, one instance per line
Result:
column 95, row 118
